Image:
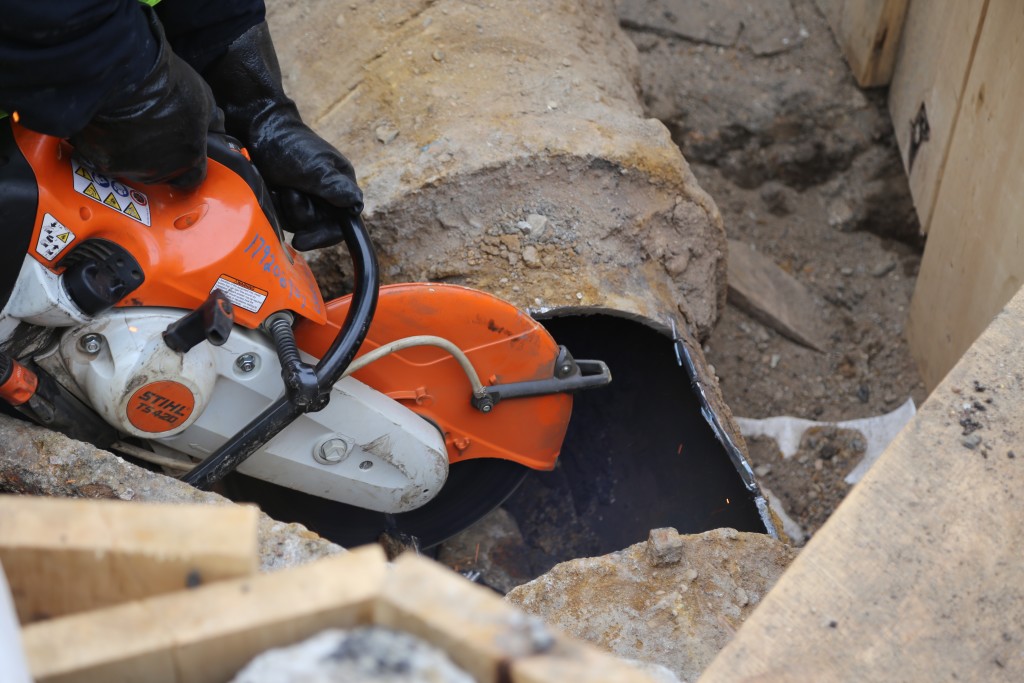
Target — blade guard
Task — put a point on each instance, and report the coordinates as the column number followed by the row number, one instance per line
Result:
column 504, row 345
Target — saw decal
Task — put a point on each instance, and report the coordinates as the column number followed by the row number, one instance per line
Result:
column 240, row 293
column 111, row 193
column 54, row 238
column 160, row 406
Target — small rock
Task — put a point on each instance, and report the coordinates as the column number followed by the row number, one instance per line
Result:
column 386, row 133
column 763, row 470
column 537, row 223
column 774, row 361
column 971, row 441
column 884, row 268
column 664, row 546
column 438, row 55
column 530, row 257
column 840, row 214
column 846, row 271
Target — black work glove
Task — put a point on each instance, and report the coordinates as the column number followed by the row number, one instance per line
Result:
column 156, row 131
column 315, row 185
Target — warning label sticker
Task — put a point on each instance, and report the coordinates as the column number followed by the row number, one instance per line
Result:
column 240, row 293
column 111, row 193
column 53, row 238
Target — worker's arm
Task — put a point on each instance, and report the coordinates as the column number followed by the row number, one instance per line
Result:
column 101, row 73
column 62, row 60
column 200, row 31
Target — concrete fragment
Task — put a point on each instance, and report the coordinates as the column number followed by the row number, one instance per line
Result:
column 364, row 654
column 665, row 546
column 36, row 461
column 679, row 615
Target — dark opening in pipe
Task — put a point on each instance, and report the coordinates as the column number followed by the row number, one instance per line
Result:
column 639, row 454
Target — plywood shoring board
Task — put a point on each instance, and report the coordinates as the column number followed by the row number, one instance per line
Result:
column 934, row 59
column 974, row 259
column 917, row 576
column 868, row 32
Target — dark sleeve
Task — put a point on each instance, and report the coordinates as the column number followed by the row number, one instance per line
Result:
column 61, row 60
column 201, row 30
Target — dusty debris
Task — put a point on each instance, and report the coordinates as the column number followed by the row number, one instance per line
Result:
column 678, row 615
column 36, row 461
column 492, row 549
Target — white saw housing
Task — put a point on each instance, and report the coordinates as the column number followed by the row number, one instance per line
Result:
column 363, row 448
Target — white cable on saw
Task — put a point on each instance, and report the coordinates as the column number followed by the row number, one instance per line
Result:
column 151, row 457
column 419, row 340
column 355, row 366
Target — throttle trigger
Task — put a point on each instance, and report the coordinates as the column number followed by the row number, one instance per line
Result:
column 212, row 322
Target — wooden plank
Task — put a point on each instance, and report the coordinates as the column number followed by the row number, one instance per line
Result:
column 918, row 574
column 868, row 33
column 762, row 290
column 974, row 259
column 934, row 59
column 207, row 634
column 64, row 555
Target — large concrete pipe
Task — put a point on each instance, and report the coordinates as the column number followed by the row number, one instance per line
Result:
column 502, row 145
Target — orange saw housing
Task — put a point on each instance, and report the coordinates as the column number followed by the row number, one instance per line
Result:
column 188, row 243
column 504, row 345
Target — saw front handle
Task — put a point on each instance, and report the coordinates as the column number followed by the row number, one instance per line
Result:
column 328, row 371
column 570, row 376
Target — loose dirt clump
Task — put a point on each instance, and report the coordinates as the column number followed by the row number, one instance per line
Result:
column 811, row 483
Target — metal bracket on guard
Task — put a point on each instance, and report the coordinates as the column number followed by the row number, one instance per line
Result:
column 571, row 375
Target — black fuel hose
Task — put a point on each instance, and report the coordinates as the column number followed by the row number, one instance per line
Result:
column 329, row 370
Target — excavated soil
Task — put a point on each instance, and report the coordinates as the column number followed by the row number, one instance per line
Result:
column 803, row 166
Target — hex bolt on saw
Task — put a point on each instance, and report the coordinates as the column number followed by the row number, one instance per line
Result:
column 181, row 329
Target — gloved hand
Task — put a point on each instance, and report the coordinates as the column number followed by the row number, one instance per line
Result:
column 156, row 131
column 315, row 185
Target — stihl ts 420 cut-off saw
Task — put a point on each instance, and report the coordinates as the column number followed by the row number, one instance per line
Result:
column 181, row 329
